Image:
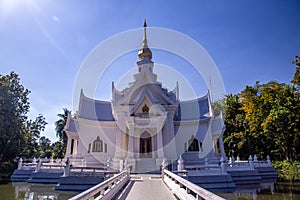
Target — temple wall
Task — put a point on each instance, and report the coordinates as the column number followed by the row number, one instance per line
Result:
column 88, row 134
column 184, row 132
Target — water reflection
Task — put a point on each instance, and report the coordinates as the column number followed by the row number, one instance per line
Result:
column 26, row 191
column 265, row 191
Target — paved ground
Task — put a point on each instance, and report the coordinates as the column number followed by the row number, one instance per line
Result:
column 146, row 186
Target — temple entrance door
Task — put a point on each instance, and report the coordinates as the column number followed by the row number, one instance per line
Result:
column 145, row 145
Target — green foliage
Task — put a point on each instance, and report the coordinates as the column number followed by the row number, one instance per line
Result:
column 60, row 124
column 33, row 129
column 14, row 105
column 288, row 170
column 296, row 78
column 45, row 147
column 6, row 170
column 19, row 135
column 236, row 134
column 58, row 149
column 263, row 119
column 60, row 132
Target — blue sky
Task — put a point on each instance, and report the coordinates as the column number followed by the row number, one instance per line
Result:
column 45, row 42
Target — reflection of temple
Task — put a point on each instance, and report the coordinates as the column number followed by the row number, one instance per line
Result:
column 143, row 124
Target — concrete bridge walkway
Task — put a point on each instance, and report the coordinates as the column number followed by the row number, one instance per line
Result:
column 145, row 186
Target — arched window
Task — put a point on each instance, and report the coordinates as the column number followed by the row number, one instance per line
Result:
column 72, row 147
column 98, row 145
column 193, row 144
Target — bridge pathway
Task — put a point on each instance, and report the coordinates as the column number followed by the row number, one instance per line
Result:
column 146, row 186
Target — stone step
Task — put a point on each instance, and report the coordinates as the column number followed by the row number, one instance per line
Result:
column 21, row 175
column 145, row 165
column 45, row 177
column 78, row 183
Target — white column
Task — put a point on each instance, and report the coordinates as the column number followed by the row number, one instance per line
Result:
column 68, row 151
column 137, row 145
column 75, row 146
column 170, row 150
column 153, row 152
column 118, row 145
column 130, row 143
column 124, row 143
column 221, row 143
column 160, row 151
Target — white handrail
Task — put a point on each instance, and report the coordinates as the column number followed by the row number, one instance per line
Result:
column 183, row 188
column 105, row 190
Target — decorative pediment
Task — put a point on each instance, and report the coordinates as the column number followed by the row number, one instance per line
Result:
column 145, row 84
column 146, row 108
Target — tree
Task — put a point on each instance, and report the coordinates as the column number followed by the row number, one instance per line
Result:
column 33, row 129
column 236, row 135
column 283, row 123
column 263, row 119
column 57, row 149
column 296, row 78
column 14, row 105
column 45, row 147
column 59, row 128
column 18, row 135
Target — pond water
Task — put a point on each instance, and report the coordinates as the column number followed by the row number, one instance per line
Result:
column 274, row 191
column 27, row 191
column 266, row 191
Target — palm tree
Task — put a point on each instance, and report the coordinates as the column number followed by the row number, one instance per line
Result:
column 60, row 124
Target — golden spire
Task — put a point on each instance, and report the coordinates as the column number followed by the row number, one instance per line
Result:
column 145, row 51
column 145, row 42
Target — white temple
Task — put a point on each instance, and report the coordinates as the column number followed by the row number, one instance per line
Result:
column 144, row 124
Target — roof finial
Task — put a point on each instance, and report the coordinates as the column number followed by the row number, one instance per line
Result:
column 145, row 42
column 145, row 51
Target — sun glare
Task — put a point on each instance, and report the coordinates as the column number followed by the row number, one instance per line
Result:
column 11, row 5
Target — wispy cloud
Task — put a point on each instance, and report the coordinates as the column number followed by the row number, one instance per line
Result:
column 55, row 18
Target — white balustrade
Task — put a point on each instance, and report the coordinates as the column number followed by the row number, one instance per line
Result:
column 105, row 190
column 186, row 190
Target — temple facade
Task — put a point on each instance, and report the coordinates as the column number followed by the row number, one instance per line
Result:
column 143, row 124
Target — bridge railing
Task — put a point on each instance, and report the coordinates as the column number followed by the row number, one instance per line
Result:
column 250, row 163
column 105, row 190
column 208, row 169
column 186, row 190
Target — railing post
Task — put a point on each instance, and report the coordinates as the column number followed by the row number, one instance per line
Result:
column 34, row 160
column 67, row 168
column 164, row 164
column 38, row 165
column 121, row 163
column 269, row 161
column 107, row 164
column 188, row 191
column 180, row 165
column 232, row 161
column 255, row 158
column 20, row 163
column 126, row 164
column 250, row 162
column 223, row 165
